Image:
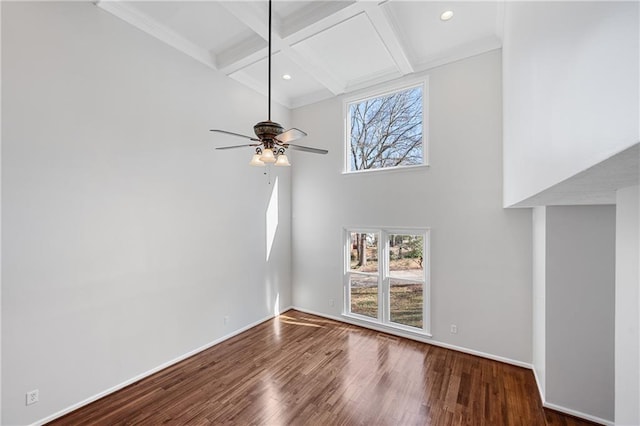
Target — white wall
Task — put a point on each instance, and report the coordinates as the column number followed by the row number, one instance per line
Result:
column 627, row 308
column 571, row 89
column 126, row 237
column 0, row 229
column 480, row 253
column 580, row 293
column 539, row 299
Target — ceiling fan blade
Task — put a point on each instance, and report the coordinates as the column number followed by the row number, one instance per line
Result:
column 290, row 135
column 238, row 146
column 307, row 149
column 235, row 134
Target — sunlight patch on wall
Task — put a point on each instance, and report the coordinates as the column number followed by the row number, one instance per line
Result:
column 272, row 218
column 276, row 324
column 276, row 305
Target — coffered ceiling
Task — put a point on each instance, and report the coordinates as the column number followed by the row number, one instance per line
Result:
column 327, row 47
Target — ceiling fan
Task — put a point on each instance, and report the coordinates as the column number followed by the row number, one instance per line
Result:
column 272, row 140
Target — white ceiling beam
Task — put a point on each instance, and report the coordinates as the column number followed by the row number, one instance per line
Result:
column 311, row 14
column 250, row 14
column 315, row 69
column 305, row 61
column 242, row 55
column 153, row 28
column 261, row 88
column 254, row 18
column 241, row 61
column 389, row 37
column 323, row 24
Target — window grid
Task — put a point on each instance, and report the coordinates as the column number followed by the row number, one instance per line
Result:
column 385, row 277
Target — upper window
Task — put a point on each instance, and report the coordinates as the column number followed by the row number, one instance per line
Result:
column 387, row 131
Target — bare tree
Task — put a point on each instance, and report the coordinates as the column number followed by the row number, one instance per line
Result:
column 362, row 250
column 362, row 243
column 387, row 131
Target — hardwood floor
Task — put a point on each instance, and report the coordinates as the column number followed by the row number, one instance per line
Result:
column 300, row 369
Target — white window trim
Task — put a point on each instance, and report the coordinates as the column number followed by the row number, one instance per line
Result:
column 377, row 92
column 383, row 274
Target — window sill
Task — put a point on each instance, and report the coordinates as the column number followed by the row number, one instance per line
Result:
column 388, row 170
column 395, row 330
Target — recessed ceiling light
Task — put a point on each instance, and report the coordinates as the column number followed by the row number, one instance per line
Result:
column 286, row 77
column 446, row 15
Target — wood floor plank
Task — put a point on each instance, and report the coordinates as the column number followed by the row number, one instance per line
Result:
column 299, row 369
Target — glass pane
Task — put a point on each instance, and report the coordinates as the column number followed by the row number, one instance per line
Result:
column 406, row 302
column 364, row 252
column 386, row 131
column 364, row 295
column 406, row 257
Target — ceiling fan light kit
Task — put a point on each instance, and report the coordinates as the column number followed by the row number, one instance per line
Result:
column 255, row 160
column 283, row 160
column 272, row 140
column 268, row 156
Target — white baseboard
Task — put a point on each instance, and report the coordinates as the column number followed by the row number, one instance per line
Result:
column 535, row 376
column 336, row 318
column 564, row 409
column 579, row 414
column 154, row 370
column 427, row 340
column 468, row 351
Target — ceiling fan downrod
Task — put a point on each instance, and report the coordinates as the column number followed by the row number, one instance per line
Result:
column 271, row 141
column 269, row 82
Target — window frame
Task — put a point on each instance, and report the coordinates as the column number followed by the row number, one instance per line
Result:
column 379, row 92
column 348, row 271
column 384, row 279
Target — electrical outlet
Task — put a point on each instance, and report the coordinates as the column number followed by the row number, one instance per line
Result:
column 226, row 319
column 332, row 302
column 454, row 329
column 33, row 397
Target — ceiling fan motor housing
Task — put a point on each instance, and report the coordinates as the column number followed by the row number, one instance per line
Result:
column 267, row 130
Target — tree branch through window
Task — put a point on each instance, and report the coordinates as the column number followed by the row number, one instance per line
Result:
column 387, row 131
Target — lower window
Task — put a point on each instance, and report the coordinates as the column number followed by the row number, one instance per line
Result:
column 386, row 277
